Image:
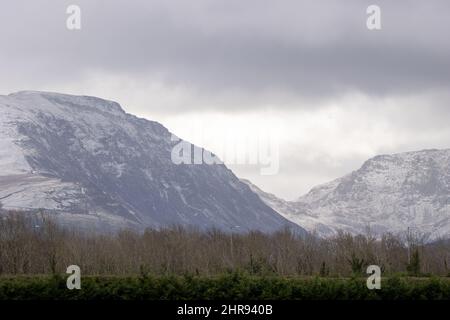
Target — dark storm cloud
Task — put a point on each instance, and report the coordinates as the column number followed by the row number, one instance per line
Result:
column 308, row 49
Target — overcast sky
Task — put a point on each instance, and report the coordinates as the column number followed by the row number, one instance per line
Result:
column 309, row 73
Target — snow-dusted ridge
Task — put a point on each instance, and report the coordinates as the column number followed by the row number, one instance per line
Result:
column 89, row 162
column 389, row 193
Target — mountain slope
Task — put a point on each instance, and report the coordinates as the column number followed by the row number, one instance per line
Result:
column 296, row 212
column 91, row 163
column 389, row 193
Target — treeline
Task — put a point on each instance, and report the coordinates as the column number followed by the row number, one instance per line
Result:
column 36, row 245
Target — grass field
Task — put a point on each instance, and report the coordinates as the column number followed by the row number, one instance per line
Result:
column 231, row 286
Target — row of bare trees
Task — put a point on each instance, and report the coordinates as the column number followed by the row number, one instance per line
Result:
column 36, row 245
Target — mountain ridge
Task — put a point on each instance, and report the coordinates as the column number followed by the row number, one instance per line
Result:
column 90, row 162
column 387, row 194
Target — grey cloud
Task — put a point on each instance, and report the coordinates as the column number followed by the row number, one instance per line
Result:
column 313, row 51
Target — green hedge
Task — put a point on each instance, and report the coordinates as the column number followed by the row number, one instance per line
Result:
column 231, row 286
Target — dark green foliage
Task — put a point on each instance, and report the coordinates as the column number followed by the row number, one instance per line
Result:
column 259, row 266
column 229, row 286
column 413, row 266
column 324, row 270
column 356, row 264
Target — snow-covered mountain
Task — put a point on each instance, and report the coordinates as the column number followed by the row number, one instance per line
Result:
column 91, row 164
column 389, row 193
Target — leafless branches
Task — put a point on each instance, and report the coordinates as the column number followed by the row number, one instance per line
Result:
column 36, row 245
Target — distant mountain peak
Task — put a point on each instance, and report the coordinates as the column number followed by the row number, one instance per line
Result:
column 389, row 193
